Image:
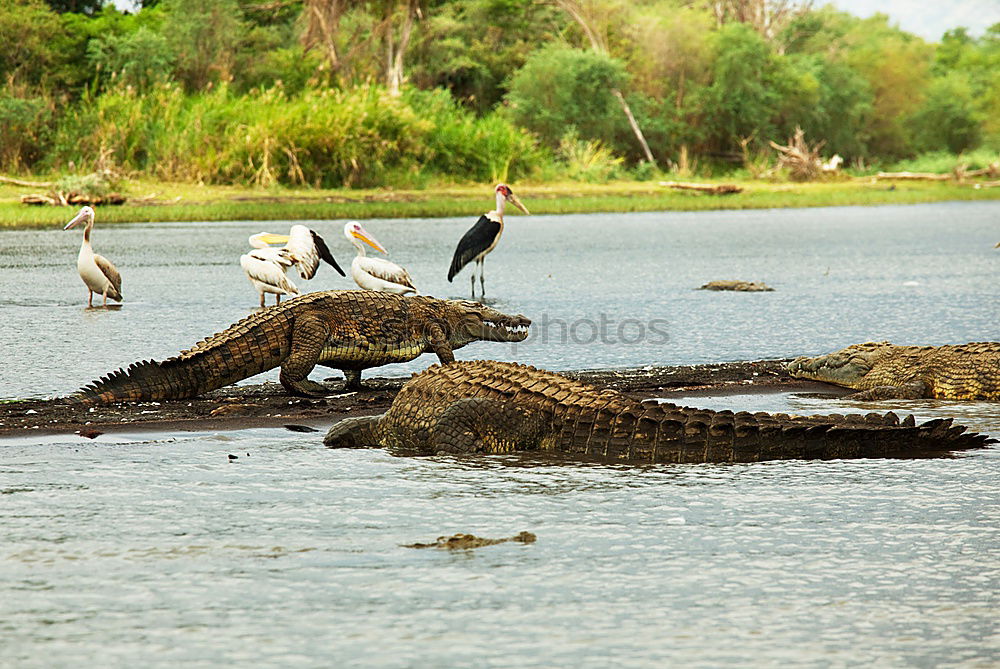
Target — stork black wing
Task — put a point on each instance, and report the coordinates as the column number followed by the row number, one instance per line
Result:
column 479, row 238
column 324, row 252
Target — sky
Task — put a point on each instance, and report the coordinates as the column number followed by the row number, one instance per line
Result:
column 927, row 18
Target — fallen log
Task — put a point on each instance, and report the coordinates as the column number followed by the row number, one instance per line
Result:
column 57, row 198
column 913, row 176
column 27, row 184
column 714, row 189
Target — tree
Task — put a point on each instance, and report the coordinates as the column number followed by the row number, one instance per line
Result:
column 26, row 30
column 76, row 6
column 138, row 59
column 745, row 93
column 588, row 15
column 561, row 89
column 947, row 119
column 204, row 36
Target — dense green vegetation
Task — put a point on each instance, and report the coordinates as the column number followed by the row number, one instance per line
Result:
column 412, row 93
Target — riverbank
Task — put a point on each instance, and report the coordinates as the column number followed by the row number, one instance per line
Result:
column 268, row 405
column 159, row 201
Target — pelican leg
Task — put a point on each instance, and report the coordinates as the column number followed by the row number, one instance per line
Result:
column 90, row 298
column 262, row 300
column 278, row 299
column 105, row 302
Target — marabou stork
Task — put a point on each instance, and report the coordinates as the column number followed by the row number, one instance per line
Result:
column 265, row 266
column 375, row 273
column 482, row 238
column 97, row 272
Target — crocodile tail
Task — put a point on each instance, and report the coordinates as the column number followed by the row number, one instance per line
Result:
column 146, row 380
column 680, row 434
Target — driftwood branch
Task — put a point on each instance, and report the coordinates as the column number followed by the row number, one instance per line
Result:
column 714, row 189
column 802, row 161
column 28, row 184
column 913, row 176
column 59, row 198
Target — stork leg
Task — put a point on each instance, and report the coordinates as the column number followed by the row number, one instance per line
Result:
column 473, row 277
column 482, row 281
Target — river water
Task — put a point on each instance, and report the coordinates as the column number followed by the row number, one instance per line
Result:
column 158, row 548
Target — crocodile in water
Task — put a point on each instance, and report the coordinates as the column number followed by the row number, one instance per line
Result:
column 881, row 370
column 483, row 406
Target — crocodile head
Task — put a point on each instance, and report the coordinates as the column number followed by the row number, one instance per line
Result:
column 472, row 321
column 846, row 367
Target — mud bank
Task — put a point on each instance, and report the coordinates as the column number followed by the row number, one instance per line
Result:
column 263, row 405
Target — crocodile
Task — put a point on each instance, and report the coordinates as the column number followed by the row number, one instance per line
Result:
column 483, row 406
column 880, row 370
column 350, row 330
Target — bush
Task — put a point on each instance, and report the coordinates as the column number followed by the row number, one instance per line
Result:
column 561, row 89
column 25, row 128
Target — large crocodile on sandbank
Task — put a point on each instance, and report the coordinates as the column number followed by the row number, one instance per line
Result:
column 484, row 406
column 350, row 330
column 880, row 370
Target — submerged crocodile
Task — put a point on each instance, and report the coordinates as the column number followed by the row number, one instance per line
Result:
column 881, row 370
column 350, row 330
column 483, row 406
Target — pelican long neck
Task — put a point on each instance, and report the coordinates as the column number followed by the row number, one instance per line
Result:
column 86, row 231
column 359, row 246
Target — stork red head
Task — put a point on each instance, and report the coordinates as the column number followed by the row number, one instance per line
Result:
column 504, row 193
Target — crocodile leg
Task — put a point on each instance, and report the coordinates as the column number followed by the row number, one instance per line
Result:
column 907, row 391
column 353, row 433
column 439, row 342
column 480, row 425
column 308, row 337
column 353, row 380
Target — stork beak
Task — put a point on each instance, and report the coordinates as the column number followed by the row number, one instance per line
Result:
column 82, row 216
column 517, row 203
column 271, row 238
column 366, row 237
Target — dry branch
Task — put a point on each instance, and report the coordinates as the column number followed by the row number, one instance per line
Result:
column 913, row 176
column 802, row 161
column 29, row 184
column 714, row 189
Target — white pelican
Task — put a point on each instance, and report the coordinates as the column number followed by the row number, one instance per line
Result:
column 482, row 238
column 375, row 273
column 265, row 266
column 95, row 270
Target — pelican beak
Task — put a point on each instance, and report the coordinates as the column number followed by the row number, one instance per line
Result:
column 366, row 237
column 82, row 216
column 271, row 238
column 517, row 203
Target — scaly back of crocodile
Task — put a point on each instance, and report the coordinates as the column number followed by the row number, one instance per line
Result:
column 965, row 371
column 583, row 420
column 250, row 346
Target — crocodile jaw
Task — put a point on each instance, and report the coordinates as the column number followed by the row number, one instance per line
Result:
column 847, row 367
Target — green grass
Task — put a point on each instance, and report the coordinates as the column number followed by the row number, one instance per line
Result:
column 187, row 202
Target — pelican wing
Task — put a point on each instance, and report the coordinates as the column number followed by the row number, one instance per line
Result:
column 306, row 249
column 385, row 270
column 481, row 237
column 110, row 271
column 268, row 271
